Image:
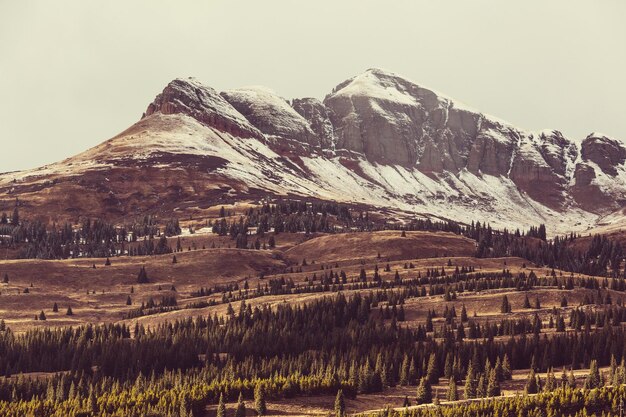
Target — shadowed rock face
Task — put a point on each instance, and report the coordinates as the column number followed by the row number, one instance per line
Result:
column 604, row 152
column 317, row 115
column 386, row 119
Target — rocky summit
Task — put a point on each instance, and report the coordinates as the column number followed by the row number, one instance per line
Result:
column 376, row 140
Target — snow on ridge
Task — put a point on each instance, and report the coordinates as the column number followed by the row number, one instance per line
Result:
column 264, row 101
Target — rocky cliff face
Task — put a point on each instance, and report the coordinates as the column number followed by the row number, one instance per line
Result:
column 385, row 119
column 203, row 103
column 606, row 153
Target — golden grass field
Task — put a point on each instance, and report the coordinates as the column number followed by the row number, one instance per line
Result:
column 99, row 294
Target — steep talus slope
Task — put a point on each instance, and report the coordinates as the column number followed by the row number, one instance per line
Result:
column 377, row 140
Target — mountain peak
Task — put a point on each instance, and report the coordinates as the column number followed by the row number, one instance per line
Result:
column 193, row 98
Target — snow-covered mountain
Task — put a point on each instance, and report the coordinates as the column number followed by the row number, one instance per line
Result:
column 377, row 139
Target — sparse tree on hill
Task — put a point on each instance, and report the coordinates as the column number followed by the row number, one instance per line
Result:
column 463, row 314
column 42, row 315
column 506, row 306
column 129, row 301
column 526, row 301
column 107, row 262
column 55, row 308
column 69, row 311
column 6, row 278
column 142, row 277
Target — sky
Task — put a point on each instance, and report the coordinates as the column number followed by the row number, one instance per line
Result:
column 75, row 73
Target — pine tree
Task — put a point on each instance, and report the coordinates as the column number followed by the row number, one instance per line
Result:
column 424, row 392
column 594, row 380
column 526, row 301
column 129, row 301
column 493, row 386
column 259, row 400
column 42, row 316
column 340, row 405
column 240, row 411
column 221, row 407
column 531, row 383
column 506, row 368
column 571, row 379
column 432, row 372
column 470, row 383
column 142, row 277
column 452, row 394
column 174, row 260
column 55, row 308
column 69, row 311
column 505, row 307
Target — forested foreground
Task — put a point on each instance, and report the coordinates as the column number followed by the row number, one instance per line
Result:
column 335, row 343
column 606, row 402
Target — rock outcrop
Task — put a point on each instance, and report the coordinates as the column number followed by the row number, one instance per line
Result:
column 204, row 104
column 605, row 152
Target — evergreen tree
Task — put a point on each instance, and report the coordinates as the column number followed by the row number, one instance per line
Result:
column 531, row 383
column 452, row 394
column 340, row 405
column 42, row 316
column 470, row 383
column 259, row 400
column 241, row 407
column 505, row 307
column 594, row 380
column 493, row 385
column 55, row 308
column 432, row 371
column 142, row 277
column 221, row 407
column 424, row 392
column 69, row 311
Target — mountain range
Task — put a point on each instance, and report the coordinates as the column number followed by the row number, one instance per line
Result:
column 377, row 140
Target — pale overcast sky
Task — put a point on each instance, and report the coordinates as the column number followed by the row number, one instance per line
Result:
column 75, row 73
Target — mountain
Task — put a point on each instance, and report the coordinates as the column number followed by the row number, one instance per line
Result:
column 377, row 140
